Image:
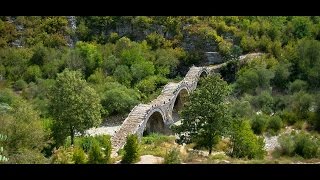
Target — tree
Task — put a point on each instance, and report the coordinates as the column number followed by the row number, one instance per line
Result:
column 205, row 116
column 282, row 74
column 300, row 103
column 244, row 142
column 308, row 61
column 249, row 79
column 22, row 124
column 142, row 69
column 123, row 75
column 95, row 154
column 92, row 57
column 119, row 100
column 74, row 106
column 131, row 149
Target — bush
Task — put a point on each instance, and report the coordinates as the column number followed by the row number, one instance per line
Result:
column 298, row 85
column 306, row 146
column 32, row 73
column 264, row 102
column 131, row 148
column 105, row 143
column 287, row 145
column 259, row 123
column 173, row 157
column 244, row 143
column 289, row 117
column 301, row 144
column 20, row 85
column 62, row 156
column 79, row 157
column 275, row 124
column 85, row 143
column 95, row 154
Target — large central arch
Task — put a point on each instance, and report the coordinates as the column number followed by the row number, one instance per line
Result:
column 155, row 124
column 179, row 103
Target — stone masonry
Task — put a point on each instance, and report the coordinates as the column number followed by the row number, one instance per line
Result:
column 137, row 119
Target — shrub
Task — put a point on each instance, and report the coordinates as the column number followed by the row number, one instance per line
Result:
column 62, row 156
column 287, row 145
column 20, row 85
column 244, row 143
column 131, row 148
column 298, row 85
column 105, row 143
column 79, row 157
column 289, row 117
column 32, row 73
column 95, row 154
column 306, row 146
column 275, row 124
column 85, row 143
column 259, row 123
column 172, row 157
column 301, row 144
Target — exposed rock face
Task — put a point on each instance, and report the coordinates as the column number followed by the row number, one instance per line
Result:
column 213, row 58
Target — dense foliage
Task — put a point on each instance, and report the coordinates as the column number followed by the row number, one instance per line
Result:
column 115, row 63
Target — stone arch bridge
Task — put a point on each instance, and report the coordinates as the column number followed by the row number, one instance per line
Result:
column 160, row 113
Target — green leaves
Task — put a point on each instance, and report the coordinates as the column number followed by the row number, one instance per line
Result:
column 205, row 117
column 74, row 105
column 245, row 143
column 132, row 149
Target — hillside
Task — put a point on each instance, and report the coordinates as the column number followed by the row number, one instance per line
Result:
column 62, row 75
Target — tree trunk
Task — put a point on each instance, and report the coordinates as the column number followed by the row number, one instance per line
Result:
column 210, row 150
column 72, row 134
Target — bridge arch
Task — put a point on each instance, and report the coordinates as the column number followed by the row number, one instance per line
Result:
column 155, row 123
column 204, row 73
column 178, row 103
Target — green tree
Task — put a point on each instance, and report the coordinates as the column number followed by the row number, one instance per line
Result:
column 298, row 85
column 74, row 105
column 95, row 154
column 92, row 57
column 249, row 79
column 20, row 122
column 32, row 73
column 300, row 103
column 123, row 75
column 259, row 123
column 301, row 26
column 205, row 116
column 282, row 74
column 131, row 149
column 142, row 69
column 308, row 61
column 119, row 100
column 244, row 142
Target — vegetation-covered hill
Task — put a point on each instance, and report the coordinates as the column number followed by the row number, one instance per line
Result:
column 122, row 61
